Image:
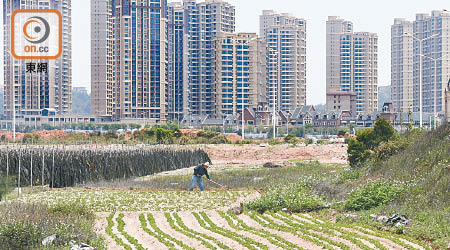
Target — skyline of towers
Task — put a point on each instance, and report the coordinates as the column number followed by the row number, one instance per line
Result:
column 420, row 50
column 158, row 61
column 352, row 67
column 33, row 92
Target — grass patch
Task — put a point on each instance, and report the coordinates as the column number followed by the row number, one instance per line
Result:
column 103, row 200
column 24, row 226
column 373, row 195
column 294, row 197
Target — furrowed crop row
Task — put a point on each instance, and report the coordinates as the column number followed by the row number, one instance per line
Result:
column 157, row 230
column 206, row 223
column 332, row 232
column 304, row 234
column 131, row 239
column 271, row 237
column 382, row 235
column 161, row 239
column 338, row 228
column 109, row 231
column 194, row 234
column 393, row 237
column 302, row 227
column 189, row 233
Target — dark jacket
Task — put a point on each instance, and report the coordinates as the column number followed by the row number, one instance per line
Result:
column 200, row 170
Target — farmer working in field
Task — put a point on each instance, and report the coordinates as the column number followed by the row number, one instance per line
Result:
column 199, row 171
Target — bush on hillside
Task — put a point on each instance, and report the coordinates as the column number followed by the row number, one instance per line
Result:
column 373, row 195
column 294, row 197
column 361, row 149
column 29, row 224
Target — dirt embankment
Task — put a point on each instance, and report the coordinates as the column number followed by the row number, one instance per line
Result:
column 256, row 154
column 43, row 135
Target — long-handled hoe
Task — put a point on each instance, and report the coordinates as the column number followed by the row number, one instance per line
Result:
column 220, row 185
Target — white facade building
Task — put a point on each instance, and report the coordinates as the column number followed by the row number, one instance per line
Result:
column 285, row 36
column 352, row 64
column 240, row 73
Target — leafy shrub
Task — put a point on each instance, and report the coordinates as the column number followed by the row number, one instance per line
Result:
column 361, row 149
column 309, row 141
column 30, row 138
column 164, row 135
column 6, row 186
column 321, row 142
column 206, row 134
column 294, row 197
column 220, row 139
column 29, row 224
column 110, row 135
column 373, row 195
column 273, row 142
column 342, row 132
column 357, row 153
column 291, row 139
column 388, row 149
column 348, row 175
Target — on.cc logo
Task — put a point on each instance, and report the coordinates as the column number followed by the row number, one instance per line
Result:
column 36, row 30
column 36, row 34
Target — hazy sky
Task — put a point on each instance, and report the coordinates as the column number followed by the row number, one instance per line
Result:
column 371, row 16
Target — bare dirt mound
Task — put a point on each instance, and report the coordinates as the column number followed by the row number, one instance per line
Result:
column 258, row 155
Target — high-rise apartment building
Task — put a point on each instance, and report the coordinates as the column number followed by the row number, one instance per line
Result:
column 402, row 75
column 102, row 58
column 285, row 36
column 175, row 38
column 136, row 54
column 241, row 72
column 426, row 38
column 30, row 93
column 203, row 22
column 352, row 65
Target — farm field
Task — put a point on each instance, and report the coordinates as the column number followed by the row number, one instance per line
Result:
column 156, row 211
column 222, row 230
column 175, row 219
column 149, row 219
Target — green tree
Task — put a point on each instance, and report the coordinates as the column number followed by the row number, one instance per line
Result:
column 291, row 139
column 383, row 130
column 357, row 152
column 361, row 149
column 164, row 135
column 367, row 138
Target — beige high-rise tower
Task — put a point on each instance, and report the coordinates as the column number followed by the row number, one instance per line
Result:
column 102, row 64
column 352, row 67
column 402, row 65
column 240, row 72
column 129, row 59
column 285, row 36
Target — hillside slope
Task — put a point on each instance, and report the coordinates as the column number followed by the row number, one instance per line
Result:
column 423, row 169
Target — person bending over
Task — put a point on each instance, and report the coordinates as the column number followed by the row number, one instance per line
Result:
column 199, row 171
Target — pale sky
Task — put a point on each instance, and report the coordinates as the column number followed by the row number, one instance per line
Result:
column 370, row 16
